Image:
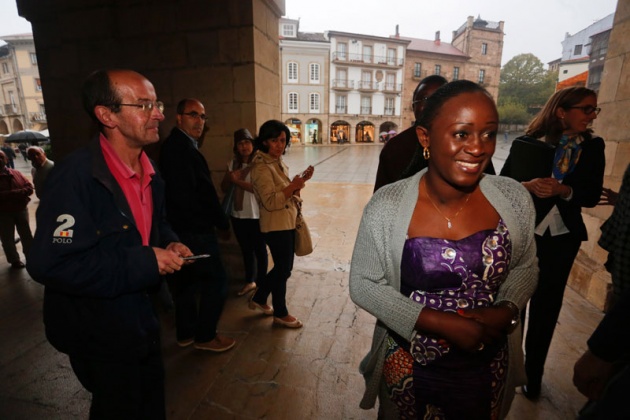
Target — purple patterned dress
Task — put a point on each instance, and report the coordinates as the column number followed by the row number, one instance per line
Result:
column 425, row 380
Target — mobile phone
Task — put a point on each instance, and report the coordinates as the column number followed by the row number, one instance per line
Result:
column 196, row 257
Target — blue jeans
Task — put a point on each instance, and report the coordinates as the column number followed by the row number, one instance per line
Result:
column 199, row 289
column 282, row 246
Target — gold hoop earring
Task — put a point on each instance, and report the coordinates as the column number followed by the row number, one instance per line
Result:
column 426, row 154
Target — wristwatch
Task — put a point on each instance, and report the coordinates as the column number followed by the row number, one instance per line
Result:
column 517, row 314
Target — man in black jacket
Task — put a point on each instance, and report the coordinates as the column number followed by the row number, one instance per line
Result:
column 101, row 244
column 194, row 211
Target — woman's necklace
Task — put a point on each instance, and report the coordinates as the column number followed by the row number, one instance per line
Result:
column 449, row 224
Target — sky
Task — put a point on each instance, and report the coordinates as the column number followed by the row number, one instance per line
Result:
column 532, row 26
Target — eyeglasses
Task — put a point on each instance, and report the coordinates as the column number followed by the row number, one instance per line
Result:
column 147, row 106
column 193, row 114
column 588, row 109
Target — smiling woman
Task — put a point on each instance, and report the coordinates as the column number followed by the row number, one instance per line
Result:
column 445, row 260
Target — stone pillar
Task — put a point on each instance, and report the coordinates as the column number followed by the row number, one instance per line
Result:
column 225, row 53
column 589, row 277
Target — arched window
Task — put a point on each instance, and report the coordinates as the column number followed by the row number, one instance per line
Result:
column 292, row 72
column 313, row 101
column 314, row 73
column 293, row 102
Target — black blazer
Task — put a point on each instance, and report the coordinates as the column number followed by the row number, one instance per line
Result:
column 586, row 180
column 192, row 204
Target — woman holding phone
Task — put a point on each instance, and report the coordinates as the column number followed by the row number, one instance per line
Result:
column 278, row 198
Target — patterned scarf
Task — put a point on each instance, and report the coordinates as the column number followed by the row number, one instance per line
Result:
column 567, row 155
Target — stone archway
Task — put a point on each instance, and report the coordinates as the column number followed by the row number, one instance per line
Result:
column 4, row 129
column 313, row 131
column 340, row 132
column 17, row 125
column 365, row 132
column 295, row 127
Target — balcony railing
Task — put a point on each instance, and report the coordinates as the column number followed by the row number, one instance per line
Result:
column 11, row 109
column 342, row 84
column 390, row 111
column 366, row 110
column 367, row 59
column 38, row 116
column 368, row 85
column 341, row 109
column 392, row 87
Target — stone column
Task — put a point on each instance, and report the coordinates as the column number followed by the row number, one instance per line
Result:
column 589, row 277
column 225, row 53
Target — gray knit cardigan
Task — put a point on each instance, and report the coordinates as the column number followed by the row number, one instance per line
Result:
column 375, row 270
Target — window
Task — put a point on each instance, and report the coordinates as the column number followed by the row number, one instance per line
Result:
column 482, row 76
column 34, row 59
column 484, row 48
column 292, row 72
column 38, row 85
column 42, row 108
column 288, row 30
column 342, row 78
column 341, row 106
column 417, row 70
column 293, row 102
column 438, row 69
column 389, row 106
column 314, row 73
column 391, row 56
column 455, row 73
column 577, row 50
column 366, row 105
column 367, row 53
column 313, row 101
column 390, row 82
column 5, row 68
column 366, row 80
column 342, row 49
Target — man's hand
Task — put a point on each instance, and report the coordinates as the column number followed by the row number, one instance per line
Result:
column 608, row 198
column 591, row 374
column 168, row 260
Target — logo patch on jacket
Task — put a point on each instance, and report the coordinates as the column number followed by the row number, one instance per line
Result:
column 63, row 233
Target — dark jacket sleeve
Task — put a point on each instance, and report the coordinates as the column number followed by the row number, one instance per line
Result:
column 84, row 245
column 192, row 203
column 611, row 339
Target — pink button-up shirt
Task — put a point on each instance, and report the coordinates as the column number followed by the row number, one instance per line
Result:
column 137, row 190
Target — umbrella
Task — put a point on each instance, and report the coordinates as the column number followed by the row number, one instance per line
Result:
column 45, row 132
column 391, row 132
column 25, row 136
column 383, row 133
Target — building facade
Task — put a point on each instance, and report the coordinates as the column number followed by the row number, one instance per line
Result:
column 304, row 68
column 366, row 86
column 425, row 58
column 482, row 41
column 21, row 99
column 597, row 57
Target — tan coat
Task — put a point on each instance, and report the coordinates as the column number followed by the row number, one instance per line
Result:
column 269, row 177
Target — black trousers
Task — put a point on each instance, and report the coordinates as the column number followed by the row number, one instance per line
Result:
column 253, row 247
column 555, row 259
column 282, row 247
column 199, row 289
column 124, row 389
